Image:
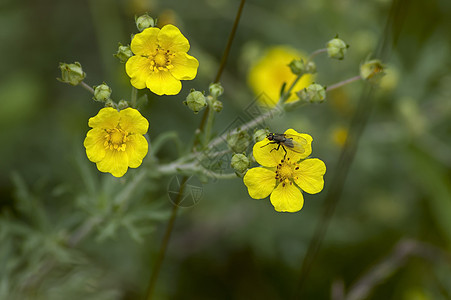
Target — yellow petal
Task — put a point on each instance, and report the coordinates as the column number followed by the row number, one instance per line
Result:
column 106, row 118
column 114, row 162
column 266, row 154
column 301, row 138
column 287, row 198
column 94, row 144
column 260, row 182
column 133, row 122
column 139, row 69
column 163, row 83
column 145, row 43
column 170, row 38
column 185, row 66
column 309, row 176
column 136, row 150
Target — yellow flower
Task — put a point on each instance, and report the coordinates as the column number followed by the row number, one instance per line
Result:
column 116, row 140
column 272, row 70
column 160, row 60
column 281, row 176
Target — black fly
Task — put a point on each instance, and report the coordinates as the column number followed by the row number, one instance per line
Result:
column 293, row 142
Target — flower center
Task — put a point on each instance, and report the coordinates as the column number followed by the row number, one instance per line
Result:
column 285, row 171
column 115, row 139
column 161, row 60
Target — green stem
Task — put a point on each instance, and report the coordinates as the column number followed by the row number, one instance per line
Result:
column 134, row 97
column 342, row 83
column 315, row 53
column 210, row 122
column 87, row 87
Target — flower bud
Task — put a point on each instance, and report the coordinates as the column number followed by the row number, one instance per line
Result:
column 336, row 48
column 144, row 21
column 297, row 66
column 313, row 93
column 371, row 68
column 216, row 90
column 123, row 104
column 110, row 103
column 102, row 92
column 239, row 141
column 123, row 53
column 195, row 101
column 310, row 67
column 217, row 106
column 240, row 163
column 260, row 135
column 71, row 73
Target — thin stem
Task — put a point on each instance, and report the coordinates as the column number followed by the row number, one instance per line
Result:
column 164, row 243
column 87, row 87
column 315, row 53
column 224, row 58
column 342, row 83
column 134, row 97
column 210, row 121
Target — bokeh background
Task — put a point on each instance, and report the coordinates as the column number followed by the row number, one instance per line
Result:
column 227, row 246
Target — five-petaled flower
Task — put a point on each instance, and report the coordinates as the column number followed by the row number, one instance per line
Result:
column 116, row 140
column 160, row 60
column 282, row 175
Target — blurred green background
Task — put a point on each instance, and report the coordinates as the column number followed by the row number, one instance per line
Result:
column 228, row 246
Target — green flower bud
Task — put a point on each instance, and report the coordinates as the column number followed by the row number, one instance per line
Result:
column 102, row 92
column 240, row 163
column 110, row 103
column 216, row 90
column 123, row 53
column 195, row 101
column 144, row 21
column 297, row 66
column 71, row 73
column 313, row 93
column 260, row 135
column 217, row 106
column 122, row 104
column 239, row 141
column 310, row 67
column 336, row 48
column 371, row 68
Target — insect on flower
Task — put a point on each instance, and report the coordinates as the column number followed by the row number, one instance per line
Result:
column 293, row 142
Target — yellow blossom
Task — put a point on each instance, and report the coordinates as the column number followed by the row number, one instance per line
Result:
column 284, row 177
column 272, row 70
column 160, row 60
column 116, row 140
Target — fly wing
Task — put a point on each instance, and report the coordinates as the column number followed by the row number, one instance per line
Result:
column 295, row 143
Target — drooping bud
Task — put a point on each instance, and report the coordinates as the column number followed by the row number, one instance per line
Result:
column 71, row 73
column 240, row 163
column 144, row 21
column 123, row 53
column 239, row 141
column 297, row 66
column 337, row 48
column 102, row 92
column 313, row 93
column 195, row 101
column 216, row 90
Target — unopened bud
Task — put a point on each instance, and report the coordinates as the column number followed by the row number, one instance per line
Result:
column 71, row 73
column 371, row 68
column 239, row 141
column 123, row 53
column 240, row 163
column 102, row 92
column 195, row 101
column 217, row 106
column 216, row 90
column 336, row 48
column 144, row 21
column 110, row 103
column 122, row 104
column 297, row 66
column 260, row 135
column 313, row 93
